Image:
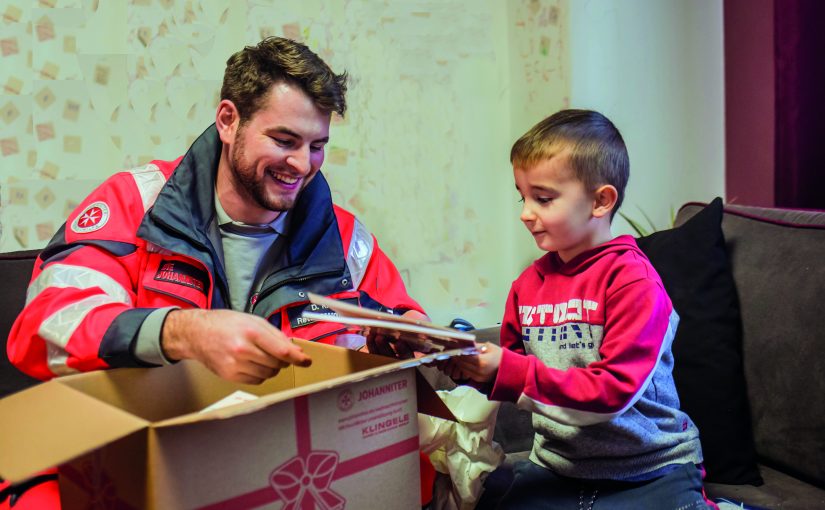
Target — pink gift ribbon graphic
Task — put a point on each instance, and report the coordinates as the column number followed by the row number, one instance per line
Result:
column 95, row 482
column 303, row 482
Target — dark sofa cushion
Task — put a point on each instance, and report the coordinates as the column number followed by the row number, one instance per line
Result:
column 15, row 273
column 693, row 263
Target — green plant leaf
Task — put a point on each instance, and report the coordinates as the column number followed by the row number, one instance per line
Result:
column 634, row 225
column 649, row 221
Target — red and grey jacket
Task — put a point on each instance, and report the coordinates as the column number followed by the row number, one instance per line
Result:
column 148, row 238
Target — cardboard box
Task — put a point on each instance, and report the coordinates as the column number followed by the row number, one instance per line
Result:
column 342, row 433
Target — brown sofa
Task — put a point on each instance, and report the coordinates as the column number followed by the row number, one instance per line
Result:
column 776, row 259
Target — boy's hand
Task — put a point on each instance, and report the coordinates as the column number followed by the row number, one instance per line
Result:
column 481, row 367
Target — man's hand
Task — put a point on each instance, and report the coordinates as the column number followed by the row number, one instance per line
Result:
column 481, row 368
column 236, row 346
column 380, row 343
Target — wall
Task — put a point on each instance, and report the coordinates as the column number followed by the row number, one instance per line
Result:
column 655, row 67
column 439, row 92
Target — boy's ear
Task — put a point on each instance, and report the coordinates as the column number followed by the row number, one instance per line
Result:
column 604, row 200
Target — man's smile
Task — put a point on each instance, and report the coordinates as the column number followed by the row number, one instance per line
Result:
column 284, row 179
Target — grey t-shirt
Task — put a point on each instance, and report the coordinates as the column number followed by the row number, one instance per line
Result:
column 243, row 248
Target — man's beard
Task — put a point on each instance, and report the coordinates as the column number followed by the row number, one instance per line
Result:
column 254, row 187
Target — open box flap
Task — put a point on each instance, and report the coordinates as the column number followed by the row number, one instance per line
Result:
column 332, row 367
column 50, row 424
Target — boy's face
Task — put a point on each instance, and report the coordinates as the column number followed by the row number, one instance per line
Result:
column 557, row 208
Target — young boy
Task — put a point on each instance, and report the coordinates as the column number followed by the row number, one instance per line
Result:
column 586, row 337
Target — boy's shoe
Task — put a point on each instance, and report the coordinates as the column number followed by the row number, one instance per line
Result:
column 728, row 504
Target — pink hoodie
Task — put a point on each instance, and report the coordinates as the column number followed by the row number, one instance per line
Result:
column 588, row 351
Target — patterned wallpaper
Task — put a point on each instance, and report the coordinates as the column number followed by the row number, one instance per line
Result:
column 438, row 92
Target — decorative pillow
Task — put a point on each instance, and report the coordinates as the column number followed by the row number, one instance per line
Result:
column 693, row 263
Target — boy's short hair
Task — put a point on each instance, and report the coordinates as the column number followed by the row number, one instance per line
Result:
column 251, row 72
column 598, row 154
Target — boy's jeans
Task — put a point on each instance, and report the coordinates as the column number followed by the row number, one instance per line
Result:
column 535, row 487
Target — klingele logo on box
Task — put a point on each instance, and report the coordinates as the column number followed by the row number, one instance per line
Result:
column 376, row 409
column 384, row 425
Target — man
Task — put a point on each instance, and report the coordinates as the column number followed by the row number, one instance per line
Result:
column 209, row 257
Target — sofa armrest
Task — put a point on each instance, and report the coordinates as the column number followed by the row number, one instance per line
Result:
column 15, row 272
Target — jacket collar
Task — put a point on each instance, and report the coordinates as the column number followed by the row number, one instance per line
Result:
column 183, row 216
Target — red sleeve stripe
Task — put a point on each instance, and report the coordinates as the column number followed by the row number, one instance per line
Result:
column 359, row 253
column 149, row 180
column 58, row 328
column 65, row 276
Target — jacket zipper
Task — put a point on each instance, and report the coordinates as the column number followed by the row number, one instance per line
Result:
column 263, row 293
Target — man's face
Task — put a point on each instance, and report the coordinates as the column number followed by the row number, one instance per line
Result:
column 278, row 151
column 557, row 209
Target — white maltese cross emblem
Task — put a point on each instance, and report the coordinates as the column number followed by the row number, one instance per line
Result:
column 93, row 217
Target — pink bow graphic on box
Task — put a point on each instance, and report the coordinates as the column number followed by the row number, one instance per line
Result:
column 303, row 482
column 94, row 481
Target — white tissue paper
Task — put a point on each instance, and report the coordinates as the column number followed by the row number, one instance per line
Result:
column 464, row 450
